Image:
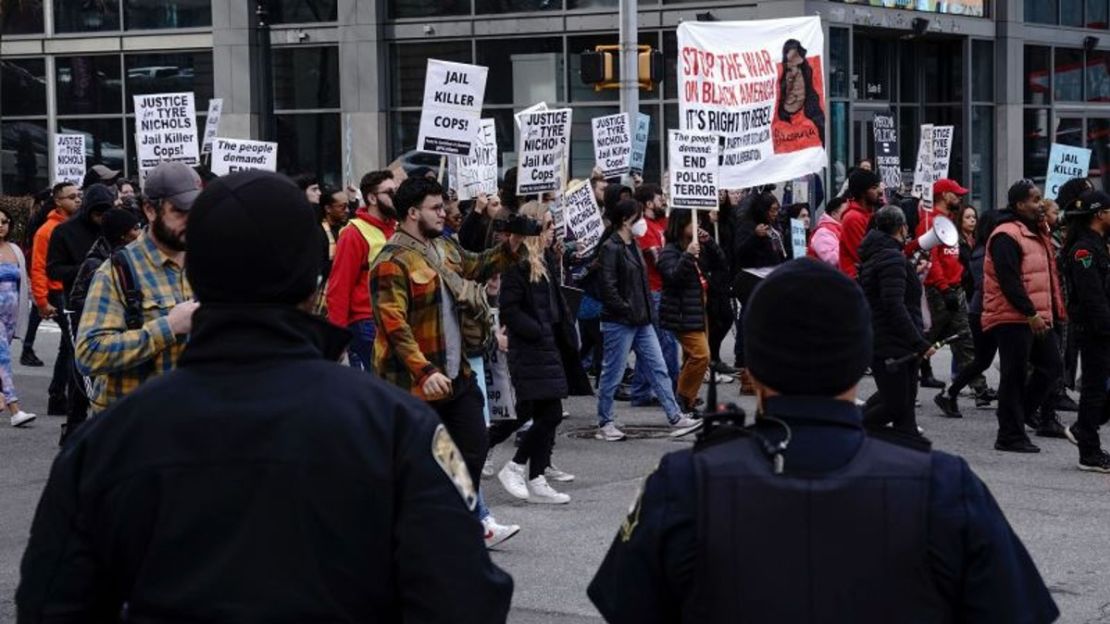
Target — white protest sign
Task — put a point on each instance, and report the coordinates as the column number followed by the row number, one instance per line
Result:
column 231, row 155
column 69, row 158
column 535, row 108
column 476, row 174
column 934, row 155
column 212, row 124
column 1064, row 163
column 500, row 395
column 639, row 143
column 544, row 141
column 453, row 94
column 798, row 238
column 694, row 170
column 166, row 129
column 583, row 218
column 760, row 84
column 923, row 168
column 612, row 144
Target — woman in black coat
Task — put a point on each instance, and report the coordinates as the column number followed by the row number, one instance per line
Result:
column 543, row 359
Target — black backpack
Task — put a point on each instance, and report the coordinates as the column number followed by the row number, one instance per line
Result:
column 129, row 287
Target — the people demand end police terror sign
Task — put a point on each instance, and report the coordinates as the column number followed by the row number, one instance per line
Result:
column 451, row 117
column 166, row 129
column 760, row 85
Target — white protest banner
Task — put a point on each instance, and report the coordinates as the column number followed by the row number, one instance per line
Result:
column 69, row 158
column 166, row 129
column 212, row 124
column 760, row 84
column 231, row 155
column 612, row 144
column 544, row 141
column 923, row 169
column 583, row 218
column 453, row 94
column 535, row 108
column 476, row 174
column 798, row 238
column 942, row 151
column 1064, row 163
column 500, row 396
column 694, row 170
column 887, row 159
column 639, row 143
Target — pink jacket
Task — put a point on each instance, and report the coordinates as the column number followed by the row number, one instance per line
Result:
column 825, row 242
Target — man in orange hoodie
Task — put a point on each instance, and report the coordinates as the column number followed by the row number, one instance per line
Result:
column 47, row 293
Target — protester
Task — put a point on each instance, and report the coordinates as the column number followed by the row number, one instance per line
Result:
column 99, row 174
column 543, row 359
column 654, row 206
column 348, row 290
column 333, row 216
column 1021, row 303
column 966, row 223
column 719, row 308
column 43, row 206
column 356, row 502
column 864, row 198
column 47, row 291
column 310, row 186
column 799, row 212
column 139, row 311
column 759, row 245
column 118, row 229
column 627, row 319
column 778, row 521
column 14, row 310
column 824, row 244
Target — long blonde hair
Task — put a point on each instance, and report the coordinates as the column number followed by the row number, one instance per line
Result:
column 537, row 266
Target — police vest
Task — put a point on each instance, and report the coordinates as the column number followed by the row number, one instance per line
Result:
column 845, row 546
column 375, row 238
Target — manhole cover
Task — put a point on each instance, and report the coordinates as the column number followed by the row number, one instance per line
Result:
column 631, row 432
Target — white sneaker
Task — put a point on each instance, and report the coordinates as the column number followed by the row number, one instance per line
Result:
column 684, row 422
column 554, row 474
column 21, row 418
column 513, row 477
column 609, row 433
column 542, row 493
column 488, row 469
column 497, row 533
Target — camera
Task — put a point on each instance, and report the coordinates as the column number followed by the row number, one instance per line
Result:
column 519, row 225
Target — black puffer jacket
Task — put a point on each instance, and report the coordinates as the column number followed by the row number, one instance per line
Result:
column 622, row 283
column 753, row 251
column 894, row 293
column 543, row 346
column 682, row 306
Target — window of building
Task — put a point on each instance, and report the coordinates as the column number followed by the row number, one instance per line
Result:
column 310, row 144
column 1098, row 14
column 1071, row 12
column 399, row 9
column 103, row 140
column 25, row 156
column 170, row 73
column 530, row 70
column 23, row 87
column 873, row 62
column 973, row 8
column 1038, row 76
column 70, row 16
column 21, row 17
column 982, row 70
column 838, row 62
column 154, row 14
column 406, row 128
column 943, row 63
column 306, row 101
column 516, row 6
column 306, row 77
column 88, row 85
column 410, row 62
column 1040, row 11
column 1037, row 141
column 1098, row 141
column 303, row 11
column 1097, row 72
column 1068, row 75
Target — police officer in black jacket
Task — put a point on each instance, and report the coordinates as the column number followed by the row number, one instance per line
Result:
column 1087, row 272
column 260, row 481
column 803, row 517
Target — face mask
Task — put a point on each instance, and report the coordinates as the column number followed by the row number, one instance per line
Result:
column 639, row 228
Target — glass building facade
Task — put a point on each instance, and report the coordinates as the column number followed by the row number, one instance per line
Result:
column 349, row 75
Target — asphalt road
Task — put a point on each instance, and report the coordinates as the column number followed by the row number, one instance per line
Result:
column 1060, row 513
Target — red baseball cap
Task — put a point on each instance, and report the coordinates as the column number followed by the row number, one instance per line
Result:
column 945, row 185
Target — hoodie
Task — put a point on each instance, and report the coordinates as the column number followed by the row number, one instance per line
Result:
column 73, row 239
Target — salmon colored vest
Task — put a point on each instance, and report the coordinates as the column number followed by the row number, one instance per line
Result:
column 1038, row 276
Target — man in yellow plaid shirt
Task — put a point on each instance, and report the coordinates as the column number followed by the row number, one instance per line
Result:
column 139, row 307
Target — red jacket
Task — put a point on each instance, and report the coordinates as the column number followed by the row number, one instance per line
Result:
column 853, row 227
column 946, row 271
column 348, row 293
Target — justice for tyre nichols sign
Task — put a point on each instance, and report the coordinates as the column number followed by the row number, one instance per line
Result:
column 166, row 129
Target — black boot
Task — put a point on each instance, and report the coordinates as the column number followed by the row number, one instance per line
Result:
column 28, row 358
column 927, row 379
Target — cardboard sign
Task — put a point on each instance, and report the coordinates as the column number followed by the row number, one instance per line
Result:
column 544, row 140
column 166, row 129
column 69, row 158
column 535, row 108
column 934, row 154
column 500, row 396
column 612, row 144
column 797, row 238
column 476, row 174
column 760, row 85
column 450, row 119
column 231, row 155
column 583, row 218
column 1064, row 163
column 640, row 143
column 212, row 124
column 887, row 159
column 694, row 158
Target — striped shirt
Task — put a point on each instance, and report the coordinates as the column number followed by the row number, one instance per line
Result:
column 120, row 359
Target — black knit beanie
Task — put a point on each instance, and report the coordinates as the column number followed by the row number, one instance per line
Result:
column 253, row 239
column 807, row 330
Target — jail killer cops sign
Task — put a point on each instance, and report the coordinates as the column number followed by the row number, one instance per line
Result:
column 1064, row 163
column 166, row 129
column 760, row 85
column 544, row 145
column 453, row 94
column 231, row 155
column 694, row 170
column 612, row 144
column 69, row 158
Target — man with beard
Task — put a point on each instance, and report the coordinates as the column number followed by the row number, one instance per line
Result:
column 864, row 198
column 140, row 306
column 348, row 293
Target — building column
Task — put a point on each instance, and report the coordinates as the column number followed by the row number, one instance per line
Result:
column 1010, row 87
column 231, row 62
column 364, row 94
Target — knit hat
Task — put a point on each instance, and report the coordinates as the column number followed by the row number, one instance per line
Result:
column 253, row 239
column 117, row 222
column 98, row 197
column 860, row 181
column 807, row 330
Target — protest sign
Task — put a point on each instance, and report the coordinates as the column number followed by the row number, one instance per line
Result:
column 231, row 155
column 535, row 108
column 694, row 158
column 212, row 124
column 760, row 85
column 612, row 144
column 1064, row 163
column 798, row 238
column 583, row 218
column 476, row 174
column 934, row 154
column 166, row 129
column 639, row 143
column 69, row 158
column 887, row 160
column 544, row 142
column 453, row 94
column 500, row 396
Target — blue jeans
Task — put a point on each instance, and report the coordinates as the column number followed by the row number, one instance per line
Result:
column 619, row 341
column 480, row 509
column 361, row 349
column 641, row 380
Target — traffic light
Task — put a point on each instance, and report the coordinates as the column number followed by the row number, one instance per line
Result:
column 601, row 67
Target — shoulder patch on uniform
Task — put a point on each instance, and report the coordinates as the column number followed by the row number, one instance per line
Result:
column 449, row 458
column 1083, row 257
column 632, row 520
